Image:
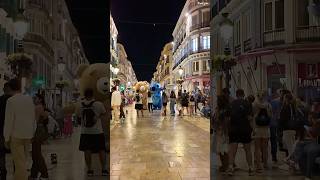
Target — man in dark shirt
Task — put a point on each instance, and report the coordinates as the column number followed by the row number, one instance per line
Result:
column 3, row 102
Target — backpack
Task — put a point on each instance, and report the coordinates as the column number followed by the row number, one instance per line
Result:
column 185, row 98
column 239, row 110
column 137, row 97
column 263, row 118
column 88, row 115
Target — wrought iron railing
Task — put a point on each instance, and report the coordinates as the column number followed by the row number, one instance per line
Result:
column 247, row 45
column 274, row 37
column 308, row 33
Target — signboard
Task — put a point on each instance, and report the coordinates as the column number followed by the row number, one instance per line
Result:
column 309, row 75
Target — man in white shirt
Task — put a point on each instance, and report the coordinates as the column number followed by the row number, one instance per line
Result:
column 115, row 104
column 19, row 128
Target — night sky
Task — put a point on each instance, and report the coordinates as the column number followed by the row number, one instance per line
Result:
column 142, row 40
column 92, row 22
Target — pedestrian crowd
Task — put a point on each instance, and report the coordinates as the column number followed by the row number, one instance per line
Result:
column 24, row 122
column 287, row 122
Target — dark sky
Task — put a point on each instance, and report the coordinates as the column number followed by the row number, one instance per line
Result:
column 92, row 21
column 143, row 42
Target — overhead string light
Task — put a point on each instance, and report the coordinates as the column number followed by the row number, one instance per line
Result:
column 146, row 23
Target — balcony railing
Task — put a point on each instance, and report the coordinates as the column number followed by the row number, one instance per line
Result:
column 237, row 50
column 247, row 45
column 308, row 33
column 274, row 37
column 201, row 25
column 190, row 52
column 35, row 38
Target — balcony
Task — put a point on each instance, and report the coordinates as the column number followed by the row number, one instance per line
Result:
column 247, row 45
column 190, row 52
column 237, row 50
column 274, row 37
column 308, row 33
column 35, row 38
column 199, row 26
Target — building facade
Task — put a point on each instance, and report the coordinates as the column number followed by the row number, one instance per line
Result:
column 276, row 44
column 7, row 37
column 126, row 73
column 51, row 38
column 191, row 46
column 113, row 49
column 163, row 74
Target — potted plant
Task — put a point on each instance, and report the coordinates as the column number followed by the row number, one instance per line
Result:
column 314, row 8
column 62, row 83
column 223, row 62
column 20, row 64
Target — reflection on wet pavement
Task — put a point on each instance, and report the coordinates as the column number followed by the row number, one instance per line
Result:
column 158, row 147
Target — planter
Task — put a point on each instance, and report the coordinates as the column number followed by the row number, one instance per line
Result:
column 20, row 64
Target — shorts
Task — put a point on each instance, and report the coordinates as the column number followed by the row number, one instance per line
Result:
column 92, row 142
column 138, row 107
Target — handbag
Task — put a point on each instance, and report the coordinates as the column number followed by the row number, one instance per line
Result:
column 41, row 133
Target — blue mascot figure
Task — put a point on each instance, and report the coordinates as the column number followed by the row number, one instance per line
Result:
column 156, row 89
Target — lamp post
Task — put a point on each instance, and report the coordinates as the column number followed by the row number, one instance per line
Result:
column 226, row 31
column 61, row 68
column 180, row 80
column 21, row 26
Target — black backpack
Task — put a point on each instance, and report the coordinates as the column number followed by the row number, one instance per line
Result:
column 88, row 115
column 239, row 110
column 263, row 118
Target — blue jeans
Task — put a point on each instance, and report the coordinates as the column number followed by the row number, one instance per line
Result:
column 308, row 151
column 172, row 103
column 274, row 141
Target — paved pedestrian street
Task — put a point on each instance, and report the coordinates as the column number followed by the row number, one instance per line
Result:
column 156, row 147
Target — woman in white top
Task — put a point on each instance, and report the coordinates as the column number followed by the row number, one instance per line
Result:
column 150, row 102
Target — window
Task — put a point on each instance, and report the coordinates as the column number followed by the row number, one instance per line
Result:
column 195, row 66
column 279, row 14
column 205, row 66
column 206, row 17
column 246, row 26
column 303, row 14
column 206, row 42
column 195, row 44
column 274, row 15
column 268, row 16
column 195, row 20
column 237, row 36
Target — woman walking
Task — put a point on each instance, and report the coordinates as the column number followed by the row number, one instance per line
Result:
column 150, row 102
column 68, row 126
column 41, row 135
column 179, row 103
column 262, row 118
column 192, row 105
column 173, row 100
column 164, row 103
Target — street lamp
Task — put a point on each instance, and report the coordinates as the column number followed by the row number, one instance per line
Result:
column 226, row 31
column 61, row 68
column 180, row 80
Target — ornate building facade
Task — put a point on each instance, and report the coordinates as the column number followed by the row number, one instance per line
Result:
column 191, row 45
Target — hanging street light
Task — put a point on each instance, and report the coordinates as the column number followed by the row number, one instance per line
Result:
column 226, row 32
column 21, row 24
column 314, row 8
column 180, row 80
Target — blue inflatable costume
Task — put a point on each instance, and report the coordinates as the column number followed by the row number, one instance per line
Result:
column 156, row 89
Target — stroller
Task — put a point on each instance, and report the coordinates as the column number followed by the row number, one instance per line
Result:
column 206, row 112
